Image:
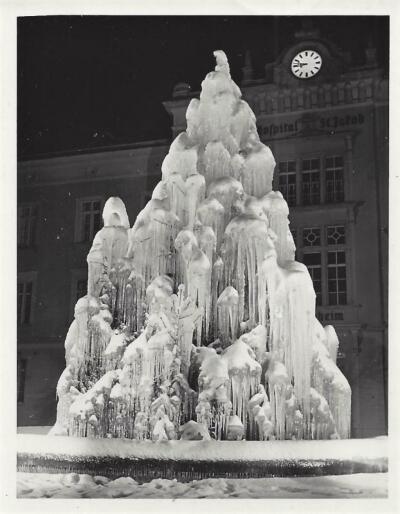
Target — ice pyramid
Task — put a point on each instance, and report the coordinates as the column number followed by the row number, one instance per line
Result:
column 199, row 312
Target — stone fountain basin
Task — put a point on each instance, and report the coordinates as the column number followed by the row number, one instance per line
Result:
column 193, row 460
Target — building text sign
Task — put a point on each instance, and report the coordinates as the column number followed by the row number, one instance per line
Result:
column 311, row 123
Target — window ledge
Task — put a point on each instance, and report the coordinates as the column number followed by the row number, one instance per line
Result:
column 337, row 314
column 322, row 207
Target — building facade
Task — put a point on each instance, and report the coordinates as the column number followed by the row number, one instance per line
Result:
column 329, row 135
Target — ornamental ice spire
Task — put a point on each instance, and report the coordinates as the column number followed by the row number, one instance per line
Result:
column 199, row 311
column 222, row 62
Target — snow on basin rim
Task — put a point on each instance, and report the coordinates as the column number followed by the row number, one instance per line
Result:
column 347, row 449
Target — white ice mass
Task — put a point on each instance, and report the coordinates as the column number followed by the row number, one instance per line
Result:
column 198, row 322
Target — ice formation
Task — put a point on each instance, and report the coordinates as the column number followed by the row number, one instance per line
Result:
column 198, row 322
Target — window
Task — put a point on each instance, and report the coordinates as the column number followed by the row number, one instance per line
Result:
column 26, row 225
column 334, row 170
column 313, row 263
column 337, row 286
column 24, row 302
column 311, row 188
column 25, row 294
column 88, row 218
column 336, row 235
column 287, row 181
column 21, row 370
column 322, row 180
column 323, row 250
column 311, row 237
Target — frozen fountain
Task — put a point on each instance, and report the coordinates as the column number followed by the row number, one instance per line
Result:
column 198, row 322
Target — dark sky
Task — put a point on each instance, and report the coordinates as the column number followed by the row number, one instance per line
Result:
column 85, row 81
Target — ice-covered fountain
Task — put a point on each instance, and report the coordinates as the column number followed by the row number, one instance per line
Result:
column 198, row 322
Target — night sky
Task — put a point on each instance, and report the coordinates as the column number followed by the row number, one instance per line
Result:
column 85, row 81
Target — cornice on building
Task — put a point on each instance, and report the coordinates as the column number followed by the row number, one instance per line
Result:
column 76, row 152
column 105, row 164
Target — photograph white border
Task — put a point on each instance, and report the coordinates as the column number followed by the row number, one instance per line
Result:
column 9, row 11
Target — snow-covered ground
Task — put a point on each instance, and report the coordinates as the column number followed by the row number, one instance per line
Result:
column 41, row 485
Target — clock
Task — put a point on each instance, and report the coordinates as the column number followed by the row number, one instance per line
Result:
column 306, row 64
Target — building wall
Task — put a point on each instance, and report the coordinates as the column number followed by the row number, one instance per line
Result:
column 343, row 112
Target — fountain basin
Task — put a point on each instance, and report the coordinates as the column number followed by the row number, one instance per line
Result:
column 193, row 460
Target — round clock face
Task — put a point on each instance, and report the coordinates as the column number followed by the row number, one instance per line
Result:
column 306, row 64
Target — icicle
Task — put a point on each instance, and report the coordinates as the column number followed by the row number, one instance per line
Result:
column 109, row 245
column 141, row 426
column 92, row 403
column 244, row 373
column 277, row 211
column 159, row 346
column 199, row 280
column 257, row 340
column 207, row 243
column 228, row 310
column 258, row 169
column 151, row 241
column 291, row 410
column 211, row 213
column 243, row 123
column 330, row 382
column 194, row 195
column 206, row 239
column 188, row 318
column 185, row 244
column 66, row 393
column 181, row 159
column 332, row 342
column 278, row 383
column 216, row 282
column 159, row 295
column 197, row 277
column 292, row 305
column 175, row 185
column 217, row 161
column 115, row 350
column 260, row 413
column 213, row 407
column 243, row 250
column 99, row 336
column 322, row 422
column 235, row 430
column 228, row 191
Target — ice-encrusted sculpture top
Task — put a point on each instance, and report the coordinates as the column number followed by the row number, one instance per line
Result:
column 199, row 312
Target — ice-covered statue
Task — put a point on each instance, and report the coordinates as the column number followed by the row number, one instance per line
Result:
column 198, row 321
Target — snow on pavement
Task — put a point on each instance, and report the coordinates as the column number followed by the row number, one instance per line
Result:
column 72, row 485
